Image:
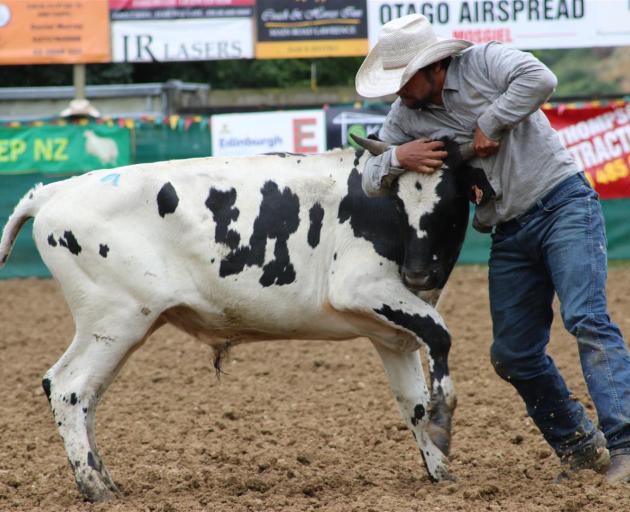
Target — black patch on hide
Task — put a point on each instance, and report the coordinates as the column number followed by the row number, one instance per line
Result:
column 379, row 220
column 418, row 414
column 278, row 218
column 70, row 242
column 46, row 386
column 316, row 216
column 433, row 335
column 221, row 204
column 167, row 199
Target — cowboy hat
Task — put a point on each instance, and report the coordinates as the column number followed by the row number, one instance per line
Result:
column 404, row 46
column 80, row 107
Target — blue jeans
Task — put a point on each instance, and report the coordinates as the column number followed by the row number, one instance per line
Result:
column 559, row 246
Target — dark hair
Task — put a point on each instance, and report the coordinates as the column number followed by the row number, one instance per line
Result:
column 442, row 64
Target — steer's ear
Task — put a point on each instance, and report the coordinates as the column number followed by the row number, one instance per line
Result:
column 475, row 184
column 374, row 146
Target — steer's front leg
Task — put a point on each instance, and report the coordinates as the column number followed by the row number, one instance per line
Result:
column 406, row 380
column 398, row 323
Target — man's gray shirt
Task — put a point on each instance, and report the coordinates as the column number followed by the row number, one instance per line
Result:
column 500, row 89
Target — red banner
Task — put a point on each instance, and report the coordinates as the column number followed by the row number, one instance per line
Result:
column 598, row 139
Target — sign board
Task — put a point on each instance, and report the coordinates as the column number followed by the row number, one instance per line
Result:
column 599, row 141
column 311, row 28
column 174, row 9
column 341, row 122
column 181, row 30
column 63, row 149
column 300, row 131
column 54, row 32
column 525, row 24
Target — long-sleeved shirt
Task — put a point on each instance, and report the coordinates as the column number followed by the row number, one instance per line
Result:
column 500, row 90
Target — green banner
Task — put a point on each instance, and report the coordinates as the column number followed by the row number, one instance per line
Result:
column 63, row 148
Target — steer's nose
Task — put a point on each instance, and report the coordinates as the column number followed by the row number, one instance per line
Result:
column 420, row 280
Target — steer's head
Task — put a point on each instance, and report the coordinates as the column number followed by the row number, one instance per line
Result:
column 436, row 206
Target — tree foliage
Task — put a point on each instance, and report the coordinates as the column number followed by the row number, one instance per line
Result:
column 219, row 74
column 576, row 71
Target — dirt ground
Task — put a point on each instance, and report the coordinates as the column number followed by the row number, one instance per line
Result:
column 292, row 426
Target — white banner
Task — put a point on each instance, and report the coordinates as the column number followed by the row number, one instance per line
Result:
column 525, row 24
column 182, row 40
column 300, row 131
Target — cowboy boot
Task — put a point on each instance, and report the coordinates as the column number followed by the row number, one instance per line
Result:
column 619, row 469
column 593, row 456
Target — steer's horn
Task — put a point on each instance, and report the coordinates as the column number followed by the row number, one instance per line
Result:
column 376, row 147
column 467, row 150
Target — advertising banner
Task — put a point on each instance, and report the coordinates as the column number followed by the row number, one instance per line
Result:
column 598, row 138
column 299, row 131
column 63, row 149
column 341, row 122
column 181, row 30
column 173, row 9
column 599, row 141
column 54, row 32
column 311, row 28
column 525, row 24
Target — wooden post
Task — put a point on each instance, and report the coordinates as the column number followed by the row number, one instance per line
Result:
column 313, row 77
column 78, row 77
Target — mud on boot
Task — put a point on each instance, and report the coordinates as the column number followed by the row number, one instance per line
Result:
column 594, row 456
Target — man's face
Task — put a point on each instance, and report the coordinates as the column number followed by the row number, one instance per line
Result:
column 418, row 92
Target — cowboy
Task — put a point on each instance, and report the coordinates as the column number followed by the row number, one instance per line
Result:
column 546, row 222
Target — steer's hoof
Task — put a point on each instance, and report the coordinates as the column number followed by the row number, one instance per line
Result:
column 440, row 436
column 96, row 493
column 442, row 474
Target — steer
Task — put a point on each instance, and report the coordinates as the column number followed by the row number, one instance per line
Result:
column 233, row 250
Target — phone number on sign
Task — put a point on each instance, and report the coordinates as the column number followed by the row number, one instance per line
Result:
column 610, row 172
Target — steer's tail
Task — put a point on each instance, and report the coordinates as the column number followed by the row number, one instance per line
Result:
column 27, row 208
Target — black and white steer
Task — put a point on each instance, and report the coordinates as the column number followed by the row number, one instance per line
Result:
column 232, row 250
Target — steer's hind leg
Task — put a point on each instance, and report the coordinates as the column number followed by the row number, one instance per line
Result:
column 75, row 384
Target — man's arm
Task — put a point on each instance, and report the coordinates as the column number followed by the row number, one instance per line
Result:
column 526, row 84
column 407, row 154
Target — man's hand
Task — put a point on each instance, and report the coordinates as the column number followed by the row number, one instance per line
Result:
column 421, row 155
column 483, row 145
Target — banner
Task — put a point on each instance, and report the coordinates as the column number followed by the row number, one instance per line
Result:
column 63, row 149
column 598, row 139
column 54, row 32
column 181, row 30
column 311, row 28
column 525, row 24
column 299, row 131
column 341, row 122
column 173, row 9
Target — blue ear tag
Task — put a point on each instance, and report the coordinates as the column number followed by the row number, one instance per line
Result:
column 114, row 178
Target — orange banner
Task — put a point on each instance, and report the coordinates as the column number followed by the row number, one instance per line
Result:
column 54, row 31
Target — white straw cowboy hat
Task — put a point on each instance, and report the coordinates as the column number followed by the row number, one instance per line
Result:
column 80, row 107
column 404, row 46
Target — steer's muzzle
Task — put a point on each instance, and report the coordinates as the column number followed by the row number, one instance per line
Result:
column 425, row 280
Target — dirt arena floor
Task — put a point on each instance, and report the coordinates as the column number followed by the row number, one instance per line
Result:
column 293, row 426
